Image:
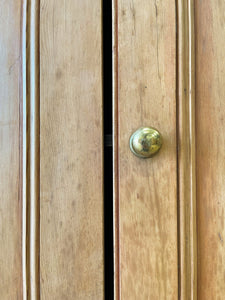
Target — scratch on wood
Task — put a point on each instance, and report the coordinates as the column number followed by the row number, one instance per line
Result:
column 133, row 15
column 13, row 64
column 220, row 237
column 157, row 38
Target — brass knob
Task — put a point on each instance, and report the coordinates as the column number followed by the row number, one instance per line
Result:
column 145, row 142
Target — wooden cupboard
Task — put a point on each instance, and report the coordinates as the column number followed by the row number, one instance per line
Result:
column 65, row 162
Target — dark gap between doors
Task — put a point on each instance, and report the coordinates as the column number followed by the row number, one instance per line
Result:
column 108, row 150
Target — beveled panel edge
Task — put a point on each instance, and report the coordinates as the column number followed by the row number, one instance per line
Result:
column 30, row 148
column 186, row 151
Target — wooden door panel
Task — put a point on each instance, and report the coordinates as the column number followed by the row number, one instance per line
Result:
column 145, row 190
column 210, row 124
column 71, row 197
column 10, row 200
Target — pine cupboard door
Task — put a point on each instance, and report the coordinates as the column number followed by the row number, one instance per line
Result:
column 169, row 64
column 51, row 183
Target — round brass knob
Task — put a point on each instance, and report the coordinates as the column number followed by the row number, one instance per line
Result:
column 145, row 142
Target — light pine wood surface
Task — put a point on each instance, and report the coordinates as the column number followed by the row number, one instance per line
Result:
column 10, row 200
column 168, row 72
column 71, row 187
column 210, row 141
column 145, row 203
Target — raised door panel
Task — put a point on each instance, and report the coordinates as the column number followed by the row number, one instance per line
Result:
column 210, row 142
column 71, row 182
column 10, row 197
column 145, row 200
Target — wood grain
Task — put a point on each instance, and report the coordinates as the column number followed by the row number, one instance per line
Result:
column 186, row 150
column 71, row 213
column 210, row 141
column 10, row 204
column 145, row 203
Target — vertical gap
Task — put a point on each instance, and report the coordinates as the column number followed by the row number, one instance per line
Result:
column 108, row 154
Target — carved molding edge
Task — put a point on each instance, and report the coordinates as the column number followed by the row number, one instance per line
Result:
column 30, row 147
column 187, row 234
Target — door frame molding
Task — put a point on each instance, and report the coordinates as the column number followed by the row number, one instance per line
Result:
column 30, row 147
column 186, row 167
